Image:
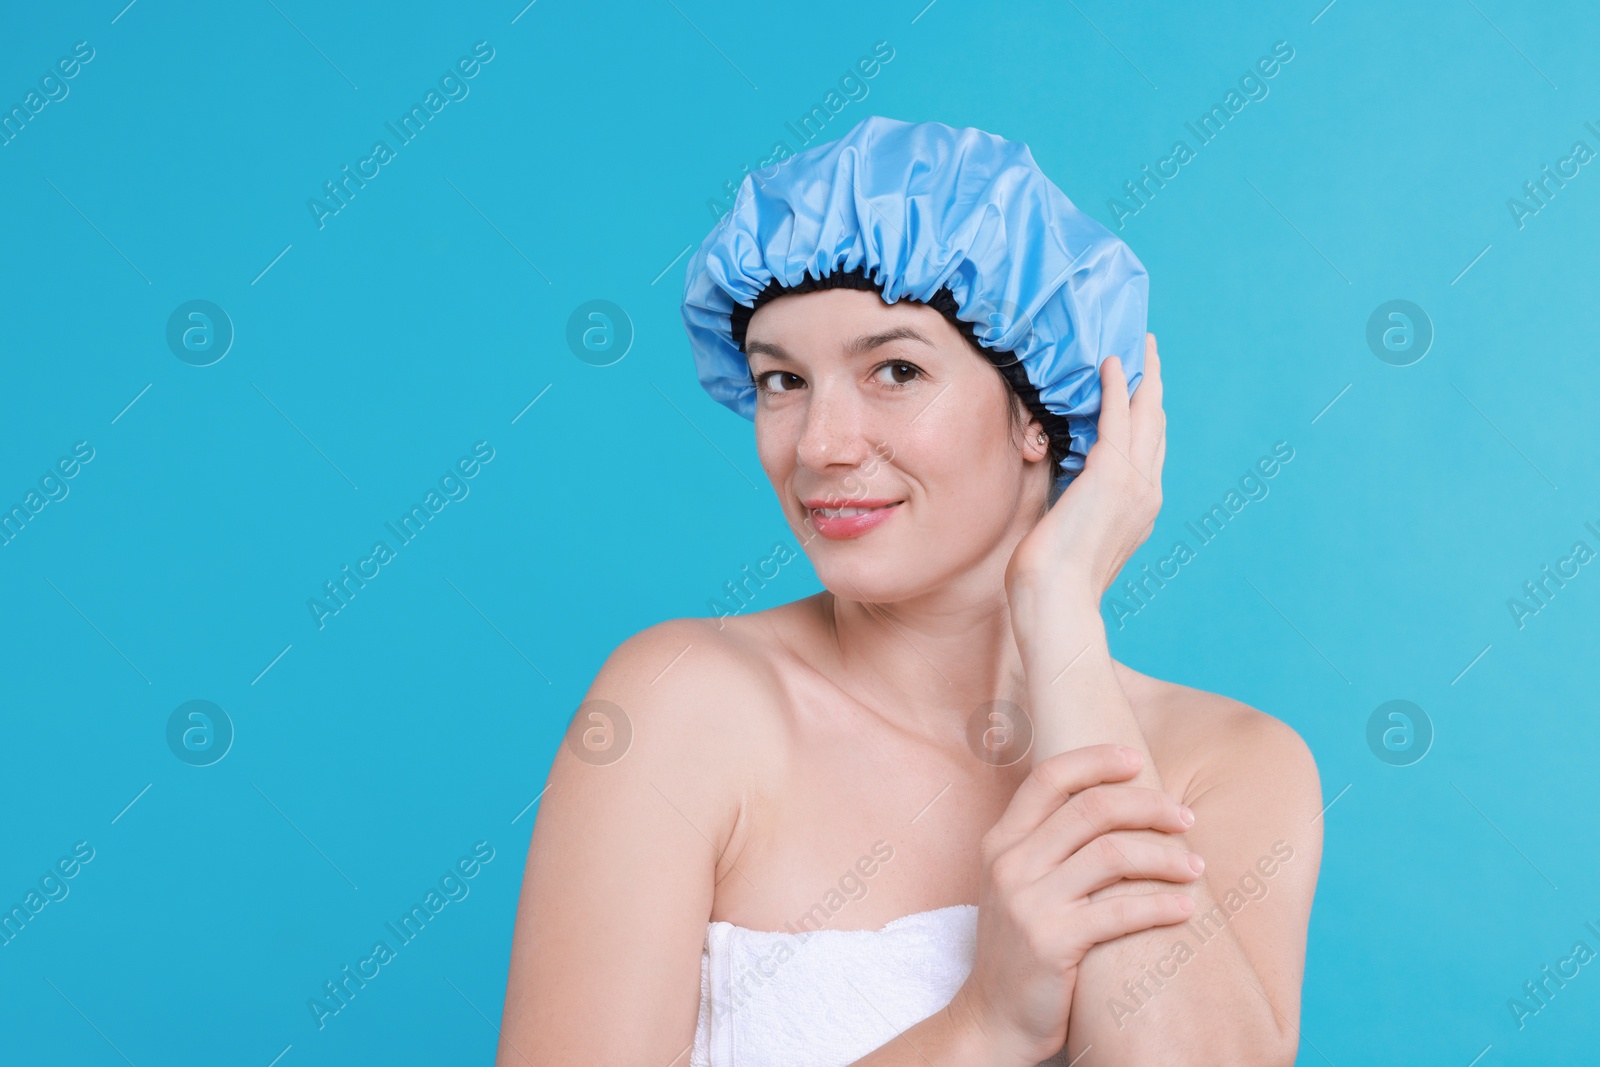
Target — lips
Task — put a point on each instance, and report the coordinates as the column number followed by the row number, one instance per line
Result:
column 844, row 519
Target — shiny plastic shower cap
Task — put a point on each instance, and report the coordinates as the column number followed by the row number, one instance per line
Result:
column 921, row 207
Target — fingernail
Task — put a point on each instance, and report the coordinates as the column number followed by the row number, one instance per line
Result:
column 1132, row 757
column 1196, row 864
column 1186, row 815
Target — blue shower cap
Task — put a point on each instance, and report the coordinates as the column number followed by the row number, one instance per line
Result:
column 922, row 207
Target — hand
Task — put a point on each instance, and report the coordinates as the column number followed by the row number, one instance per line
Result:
column 1110, row 508
column 1057, row 843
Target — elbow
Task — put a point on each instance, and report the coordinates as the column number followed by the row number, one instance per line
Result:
column 1273, row 1043
column 1284, row 1051
column 1258, row 1041
column 1245, row 1043
column 1268, row 1035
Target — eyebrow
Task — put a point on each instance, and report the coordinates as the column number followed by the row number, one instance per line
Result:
column 864, row 343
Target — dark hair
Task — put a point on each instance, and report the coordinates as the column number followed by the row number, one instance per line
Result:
column 1010, row 368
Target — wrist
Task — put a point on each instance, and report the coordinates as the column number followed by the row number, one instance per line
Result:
column 984, row 1040
column 1049, row 612
column 1061, row 571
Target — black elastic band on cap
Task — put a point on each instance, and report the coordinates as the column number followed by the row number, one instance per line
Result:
column 855, row 278
column 1056, row 427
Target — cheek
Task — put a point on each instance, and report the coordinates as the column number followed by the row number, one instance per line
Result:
column 777, row 436
column 971, row 440
column 930, row 446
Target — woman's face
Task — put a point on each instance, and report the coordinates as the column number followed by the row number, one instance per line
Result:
column 885, row 411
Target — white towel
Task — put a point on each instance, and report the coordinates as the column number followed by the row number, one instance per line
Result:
column 828, row 997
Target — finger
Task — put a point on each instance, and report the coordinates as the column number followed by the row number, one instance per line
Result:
column 1094, row 812
column 1128, row 913
column 1054, row 781
column 1112, row 426
column 1145, row 410
column 1110, row 858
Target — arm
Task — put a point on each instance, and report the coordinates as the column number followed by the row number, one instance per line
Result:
column 1225, row 987
column 950, row 1037
column 1036, row 919
column 605, row 963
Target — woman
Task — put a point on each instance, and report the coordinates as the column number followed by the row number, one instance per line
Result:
column 922, row 817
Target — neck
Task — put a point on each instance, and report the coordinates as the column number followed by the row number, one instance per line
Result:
column 926, row 664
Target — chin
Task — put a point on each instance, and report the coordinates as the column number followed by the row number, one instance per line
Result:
column 867, row 584
column 876, row 576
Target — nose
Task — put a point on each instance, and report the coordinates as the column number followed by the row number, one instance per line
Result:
column 833, row 433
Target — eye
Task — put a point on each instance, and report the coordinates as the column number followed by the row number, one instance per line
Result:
column 762, row 386
column 899, row 366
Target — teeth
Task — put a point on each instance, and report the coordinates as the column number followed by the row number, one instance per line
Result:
column 842, row 513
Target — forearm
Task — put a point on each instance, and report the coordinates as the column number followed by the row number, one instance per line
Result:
column 950, row 1037
column 1182, row 996
column 1074, row 697
column 1139, row 999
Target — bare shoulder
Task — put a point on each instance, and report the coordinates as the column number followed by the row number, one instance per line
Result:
column 1213, row 741
column 1249, row 777
column 678, row 653
column 699, row 702
column 690, row 693
column 631, row 837
column 657, row 733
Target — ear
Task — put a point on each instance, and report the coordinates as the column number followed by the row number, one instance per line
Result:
column 1036, row 443
column 1034, row 450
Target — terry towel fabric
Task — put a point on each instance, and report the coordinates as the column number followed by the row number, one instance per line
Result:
column 826, row 998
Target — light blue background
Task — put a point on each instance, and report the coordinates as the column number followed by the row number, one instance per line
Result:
column 432, row 310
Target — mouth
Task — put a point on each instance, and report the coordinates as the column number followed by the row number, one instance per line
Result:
column 845, row 521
